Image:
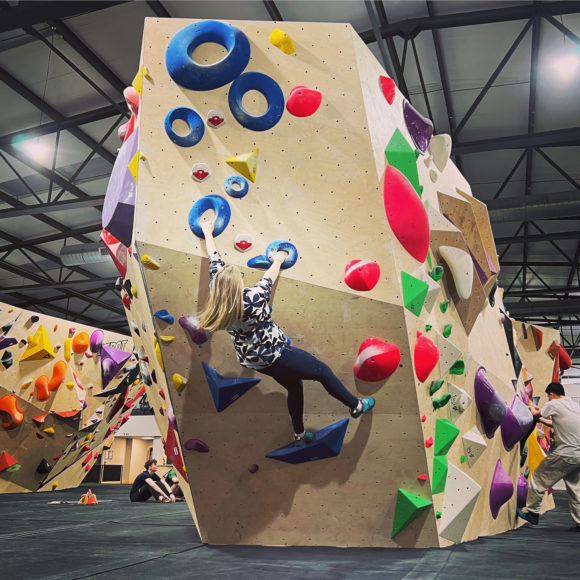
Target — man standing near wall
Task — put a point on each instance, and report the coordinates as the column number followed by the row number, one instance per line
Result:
column 563, row 414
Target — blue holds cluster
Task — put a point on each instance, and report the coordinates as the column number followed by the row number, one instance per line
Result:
column 195, row 122
column 226, row 390
column 326, row 443
column 263, row 262
column 236, row 186
column 222, row 211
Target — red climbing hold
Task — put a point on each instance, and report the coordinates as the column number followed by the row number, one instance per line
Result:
column 565, row 361
column 388, row 87
column 6, row 461
column 377, row 360
column 303, row 101
column 39, row 420
column 425, row 356
column 117, row 251
column 406, row 214
column 362, row 275
column 422, row 477
column 126, row 301
column 423, row 418
column 429, row 442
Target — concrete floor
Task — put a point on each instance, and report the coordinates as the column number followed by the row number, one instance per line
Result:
column 117, row 539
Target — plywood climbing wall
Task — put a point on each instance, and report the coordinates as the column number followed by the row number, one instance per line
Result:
column 359, row 178
column 57, row 414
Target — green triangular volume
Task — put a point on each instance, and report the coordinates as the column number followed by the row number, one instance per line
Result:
column 440, row 468
column 409, row 507
column 414, row 293
column 445, row 434
column 401, row 155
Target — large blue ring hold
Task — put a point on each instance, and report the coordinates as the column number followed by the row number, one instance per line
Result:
column 285, row 246
column 222, row 212
column 254, row 81
column 188, row 73
column 241, row 190
column 195, row 122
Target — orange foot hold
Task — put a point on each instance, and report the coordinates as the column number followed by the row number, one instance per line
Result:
column 11, row 414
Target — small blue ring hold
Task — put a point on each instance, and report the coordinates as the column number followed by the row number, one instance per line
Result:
column 285, row 246
column 196, row 125
column 254, row 81
column 222, row 212
column 242, row 186
column 188, row 73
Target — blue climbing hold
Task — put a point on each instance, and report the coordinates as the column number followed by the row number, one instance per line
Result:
column 259, row 262
column 196, row 126
column 326, row 443
column 255, row 81
column 236, row 186
column 263, row 262
column 165, row 316
column 226, row 390
column 188, row 73
column 222, row 211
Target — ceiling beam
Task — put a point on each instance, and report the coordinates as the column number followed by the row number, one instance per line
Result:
column 59, row 285
column 537, row 264
column 543, row 307
column 574, row 235
column 273, row 10
column 158, row 9
column 68, row 205
column 23, row 244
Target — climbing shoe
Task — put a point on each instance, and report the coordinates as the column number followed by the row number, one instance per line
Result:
column 367, row 405
column 529, row 517
column 304, row 439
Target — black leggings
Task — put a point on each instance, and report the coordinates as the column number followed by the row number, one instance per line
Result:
column 296, row 365
column 144, row 493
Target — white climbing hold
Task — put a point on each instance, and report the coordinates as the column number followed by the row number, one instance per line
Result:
column 460, row 400
column 474, row 445
column 440, row 149
column 461, row 267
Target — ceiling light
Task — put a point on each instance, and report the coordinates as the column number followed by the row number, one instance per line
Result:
column 35, row 149
column 567, row 66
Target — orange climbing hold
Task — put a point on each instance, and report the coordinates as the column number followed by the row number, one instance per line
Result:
column 80, row 343
column 58, row 373
column 41, row 388
column 425, row 356
column 39, row 420
column 11, row 415
column 7, row 461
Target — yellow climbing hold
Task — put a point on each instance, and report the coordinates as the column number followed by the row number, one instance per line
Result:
column 70, row 384
column 246, row 164
column 149, row 262
column 282, row 40
column 54, row 484
column 26, row 384
column 39, row 346
column 158, row 355
column 49, row 430
column 138, row 80
column 134, row 291
column 166, row 339
column 67, row 348
column 179, row 382
column 134, row 166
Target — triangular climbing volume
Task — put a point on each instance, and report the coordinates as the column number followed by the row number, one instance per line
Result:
column 226, row 390
column 448, row 354
column 246, row 164
column 39, row 346
column 414, row 293
column 409, row 507
column 440, row 468
column 401, row 155
column 474, row 445
column 445, row 434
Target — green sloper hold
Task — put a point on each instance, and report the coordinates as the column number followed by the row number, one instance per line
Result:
column 437, row 273
column 441, row 401
column 458, row 367
column 435, row 386
column 447, row 330
column 444, row 306
column 409, row 507
column 414, row 293
column 401, row 155
column 445, row 434
column 440, row 467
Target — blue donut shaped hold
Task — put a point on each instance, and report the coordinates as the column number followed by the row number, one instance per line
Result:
column 222, row 212
column 285, row 246
column 254, row 81
column 195, row 122
column 242, row 186
column 188, row 73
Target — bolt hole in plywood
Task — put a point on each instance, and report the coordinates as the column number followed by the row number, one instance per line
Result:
column 209, row 53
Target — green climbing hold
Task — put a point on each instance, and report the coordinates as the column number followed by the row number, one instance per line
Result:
column 447, row 330
column 435, row 386
column 463, row 459
column 429, row 259
column 428, row 327
column 438, row 514
column 441, row 401
column 409, row 507
column 414, row 293
column 445, row 434
column 440, row 467
column 402, row 156
column 444, row 306
column 437, row 273
column 458, row 367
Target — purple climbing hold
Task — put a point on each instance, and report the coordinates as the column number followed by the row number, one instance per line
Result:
column 517, row 424
column 5, row 342
column 112, row 361
column 96, row 341
column 190, row 324
column 253, row 468
column 501, row 489
column 196, row 445
column 492, row 408
column 171, row 418
column 522, row 492
column 420, row 128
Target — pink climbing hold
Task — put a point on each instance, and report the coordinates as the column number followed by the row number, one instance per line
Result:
column 423, row 418
column 303, row 101
column 190, row 324
column 422, row 477
column 425, row 356
column 196, row 445
column 406, row 214
column 377, row 360
column 362, row 275
column 388, row 87
column 253, row 468
column 429, row 442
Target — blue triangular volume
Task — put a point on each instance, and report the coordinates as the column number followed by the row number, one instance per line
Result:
column 326, row 443
column 226, row 390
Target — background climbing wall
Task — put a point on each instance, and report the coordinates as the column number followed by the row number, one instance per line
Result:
column 319, row 185
column 58, row 432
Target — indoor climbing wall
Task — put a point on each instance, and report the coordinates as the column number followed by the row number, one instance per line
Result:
column 65, row 388
column 298, row 140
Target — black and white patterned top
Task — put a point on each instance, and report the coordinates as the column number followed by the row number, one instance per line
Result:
column 258, row 340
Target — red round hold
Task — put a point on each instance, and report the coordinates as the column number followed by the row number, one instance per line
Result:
column 362, row 275
column 425, row 356
column 377, row 360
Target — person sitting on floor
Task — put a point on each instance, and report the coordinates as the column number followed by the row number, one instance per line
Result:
column 148, row 484
column 173, row 482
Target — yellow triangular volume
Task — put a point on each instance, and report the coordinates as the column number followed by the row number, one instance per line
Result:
column 246, row 164
column 134, row 165
column 39, row 346
column 138, row 81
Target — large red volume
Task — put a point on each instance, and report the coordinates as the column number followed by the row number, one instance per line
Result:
column 425, row 356
column 406, row 214
column 565, row 360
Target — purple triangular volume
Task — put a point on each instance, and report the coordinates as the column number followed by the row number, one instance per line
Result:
column 517, row 424
column 522, row 491
column 492, row 408
column 491, row 265
column 420, row 128
column 480, row 273
column 501, row 489
column 112, row 361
